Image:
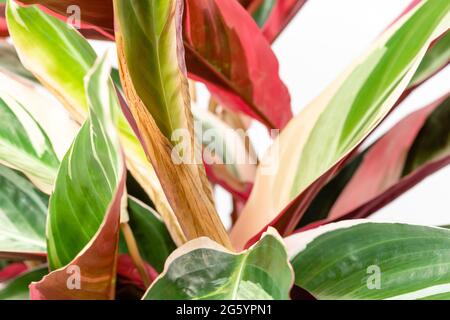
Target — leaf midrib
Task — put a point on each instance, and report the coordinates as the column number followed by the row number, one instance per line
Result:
column 239, row 276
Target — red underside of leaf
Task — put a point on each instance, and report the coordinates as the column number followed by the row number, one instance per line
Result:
column 386, row 197
column 127, row 270
column 96, row 15
column 241, row 193
column 391, row 150
column 238, row 66
column 3, row 25
column 11, row 271
column 396, row 190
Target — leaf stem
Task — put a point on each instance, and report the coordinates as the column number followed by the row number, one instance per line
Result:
column 134, row 253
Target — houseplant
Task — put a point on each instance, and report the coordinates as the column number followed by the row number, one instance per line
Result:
column 125, row 208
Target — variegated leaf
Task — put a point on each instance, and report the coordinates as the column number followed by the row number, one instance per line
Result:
column 85, row 208
column 359, row 259
column 201, row 269
column 329, row 129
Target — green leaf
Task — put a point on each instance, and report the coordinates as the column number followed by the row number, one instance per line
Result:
column 88, row 177
column 152, row 236
column 357, row 259
column 152, row 60
column 23, row 211
column 24, row 145
column 17, row 288
column 337, row 121
column 201, row 269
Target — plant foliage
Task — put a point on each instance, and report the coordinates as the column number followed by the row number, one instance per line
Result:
column 107, row 175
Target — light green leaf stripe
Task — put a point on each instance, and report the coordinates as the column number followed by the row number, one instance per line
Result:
column 366, row 260
column 24, row 145
column 17, row 288
column 201, row 270
column 359, row 103
column 23, row 211
column 88, row 176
